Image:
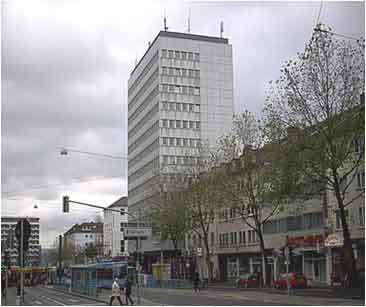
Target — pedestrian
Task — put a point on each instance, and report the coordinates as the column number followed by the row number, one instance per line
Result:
column 196, row 281
column 116, row 292
column 128, row 290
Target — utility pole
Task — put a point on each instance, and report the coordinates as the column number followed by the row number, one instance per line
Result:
column 138, row 261
column 59, row 257
column 21, row 262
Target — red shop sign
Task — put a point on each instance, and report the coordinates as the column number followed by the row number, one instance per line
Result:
column 310, row 240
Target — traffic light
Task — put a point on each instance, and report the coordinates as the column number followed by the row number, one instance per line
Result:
column 122, row 211
column 65, row 203
column 26, row 233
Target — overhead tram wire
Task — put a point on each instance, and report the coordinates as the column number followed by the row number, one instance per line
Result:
column 64, row 151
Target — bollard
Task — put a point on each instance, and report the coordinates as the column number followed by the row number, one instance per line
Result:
column 17, row 301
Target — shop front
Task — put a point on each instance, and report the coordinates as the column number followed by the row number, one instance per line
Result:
column 308, row 256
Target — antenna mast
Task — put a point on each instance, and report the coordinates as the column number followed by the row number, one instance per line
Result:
column 189, row 20
column 221, row 28
column 165, row 27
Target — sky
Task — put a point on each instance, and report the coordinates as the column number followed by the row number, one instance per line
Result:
column 65, row 66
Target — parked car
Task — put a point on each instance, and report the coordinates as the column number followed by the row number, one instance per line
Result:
column 247, row 281
column 297, row 280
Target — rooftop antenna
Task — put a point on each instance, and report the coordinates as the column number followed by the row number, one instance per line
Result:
column 165, row 27
column 221, row 28
column 189, row 20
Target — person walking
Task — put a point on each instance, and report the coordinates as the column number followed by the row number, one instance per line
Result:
column 128, row 290
column 116, row 292
column 196, row 281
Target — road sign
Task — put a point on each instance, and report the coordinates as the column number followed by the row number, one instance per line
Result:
column 137, row 233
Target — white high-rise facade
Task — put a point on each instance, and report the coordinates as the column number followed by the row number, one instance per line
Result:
column 179, row 95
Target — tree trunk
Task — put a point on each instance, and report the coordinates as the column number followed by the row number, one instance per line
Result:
column 264, row 279
column 348, row 257
column 208, row 259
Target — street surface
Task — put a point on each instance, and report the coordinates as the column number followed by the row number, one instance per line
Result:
column 41, row 296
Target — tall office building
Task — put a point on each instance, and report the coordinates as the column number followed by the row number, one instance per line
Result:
column 179, row 95
column 10, row 244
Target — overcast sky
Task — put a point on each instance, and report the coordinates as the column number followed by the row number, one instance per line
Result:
column 65, row 66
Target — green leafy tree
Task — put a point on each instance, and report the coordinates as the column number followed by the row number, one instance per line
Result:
column 252, row 183
column 314, row 111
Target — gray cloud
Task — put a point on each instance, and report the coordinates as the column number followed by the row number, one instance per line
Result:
column 65, row 67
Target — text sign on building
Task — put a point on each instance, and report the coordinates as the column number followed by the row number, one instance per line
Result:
column 310, row 240
column 137, row 233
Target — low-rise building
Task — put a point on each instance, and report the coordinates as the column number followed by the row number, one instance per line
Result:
column 80, row 236
column 114, row 242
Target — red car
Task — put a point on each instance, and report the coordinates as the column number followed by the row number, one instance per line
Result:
column 247, row 281
column 297, row 280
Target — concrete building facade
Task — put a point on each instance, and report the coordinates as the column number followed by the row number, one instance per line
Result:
column 8, row 238
column 180, row 94
column 80, row 236
column 114, row 242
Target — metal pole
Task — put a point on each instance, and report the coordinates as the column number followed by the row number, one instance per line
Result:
column 21, row 263
column 59, row 258
column 138, row 262
column 6, row 282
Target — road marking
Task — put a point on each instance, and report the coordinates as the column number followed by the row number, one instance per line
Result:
column 73, row 300
column 38, row 302
column 53, row 300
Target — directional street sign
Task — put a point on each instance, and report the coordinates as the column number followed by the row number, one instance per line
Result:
column 135, row 233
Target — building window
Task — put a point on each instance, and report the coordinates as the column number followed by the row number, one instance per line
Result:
column 165, row 160
column 185, row 107
column 165, row 123
column 163, row 53
column 178, row 142
column 190, row 125
column 190, row 56
column 179, row 106
column 359, row 144
column 171, row 124
column 196, row 90
column 185, row 124
column 361, row 179
column 122, row 246
column 165, row 141
column 198, row 125
column 212, row 239
column 191, row 108
column 361, row 214
column 177, row 54
column 178, row 124
column 231, row 238
column 170, row 54
column 196, row 56
column 185, row 142
column 184, row 55
column 171, row 142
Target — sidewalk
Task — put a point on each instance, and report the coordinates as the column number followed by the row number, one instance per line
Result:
column 265, row 297
column 320, row 292
column 11, row 297
column 105, row 295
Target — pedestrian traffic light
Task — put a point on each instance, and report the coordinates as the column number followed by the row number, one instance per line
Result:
column 65, row 203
